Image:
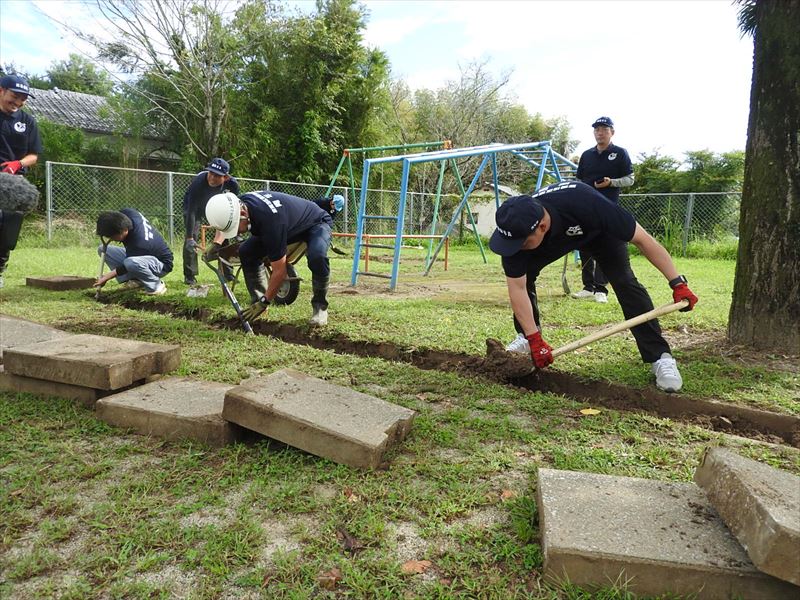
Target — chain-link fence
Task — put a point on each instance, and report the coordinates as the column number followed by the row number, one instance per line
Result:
column 677, row 219
column 76, row 194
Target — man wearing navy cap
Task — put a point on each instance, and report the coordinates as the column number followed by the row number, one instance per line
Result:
column 534, row 231
column 215, row 179
column 20, row 146
column 607, row 168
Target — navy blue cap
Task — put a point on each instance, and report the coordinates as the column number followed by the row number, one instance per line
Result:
column 516, row 219
column 603, row 122
column 219, row 166
column 15, row 83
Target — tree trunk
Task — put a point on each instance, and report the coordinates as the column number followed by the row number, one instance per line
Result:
column 765, row 312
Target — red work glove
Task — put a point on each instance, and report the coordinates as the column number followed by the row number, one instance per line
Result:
column 682, row 292
column 541, row 352
column 12, row 167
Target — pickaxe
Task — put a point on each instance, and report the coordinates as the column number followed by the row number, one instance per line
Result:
column 618, row 327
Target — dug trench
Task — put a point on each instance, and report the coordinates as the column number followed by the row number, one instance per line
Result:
column 515, row 370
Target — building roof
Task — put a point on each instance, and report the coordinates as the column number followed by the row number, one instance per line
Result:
column 87, row 112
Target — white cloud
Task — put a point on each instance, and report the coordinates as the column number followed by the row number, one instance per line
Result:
column 643, row 63
column 391, row 31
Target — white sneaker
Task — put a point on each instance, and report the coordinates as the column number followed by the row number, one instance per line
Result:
column 668, row 379
column 601, row 297
column 583, row 295
column 319, row 318
column 160, row 290
column 519, row 345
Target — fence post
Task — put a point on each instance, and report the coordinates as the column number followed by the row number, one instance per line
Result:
column 48, row 194
column 170, row 212
column 688, row 222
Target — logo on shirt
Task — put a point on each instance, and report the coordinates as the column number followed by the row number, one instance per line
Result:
column 612, row 156
column 573, row 231
column 272, row 203
column 20, row 127
column 555, row 187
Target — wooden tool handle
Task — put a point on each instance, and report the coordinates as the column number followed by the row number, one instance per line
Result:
column 638, row 320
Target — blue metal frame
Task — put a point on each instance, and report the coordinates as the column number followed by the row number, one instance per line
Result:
column 537, row 154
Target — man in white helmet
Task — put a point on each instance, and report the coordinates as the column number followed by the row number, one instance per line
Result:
column 274, row 220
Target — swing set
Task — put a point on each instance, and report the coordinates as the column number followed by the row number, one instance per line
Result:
column 539, row 155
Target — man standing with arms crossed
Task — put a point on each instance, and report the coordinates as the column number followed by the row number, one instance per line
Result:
column 214, row 180
column 607, row 168
column 20, row 146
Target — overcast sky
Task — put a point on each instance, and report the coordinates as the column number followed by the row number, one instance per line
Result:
column 674, row 75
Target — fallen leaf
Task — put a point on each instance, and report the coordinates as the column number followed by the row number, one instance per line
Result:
column 590, row 411
column 351, row 497
column 349, row 543
column 329, row 579
column 413, row 567
column 508, row 494
column 422, row 396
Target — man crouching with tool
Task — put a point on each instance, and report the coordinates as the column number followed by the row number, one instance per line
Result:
column 274, row 220
column 534, row 231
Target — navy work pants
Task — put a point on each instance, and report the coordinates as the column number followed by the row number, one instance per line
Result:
column 612, row 257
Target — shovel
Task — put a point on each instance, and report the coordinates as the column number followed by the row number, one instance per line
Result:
column 229, row 294
column 617, row 328
column 102, row 264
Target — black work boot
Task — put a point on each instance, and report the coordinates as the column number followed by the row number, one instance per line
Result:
column 319, row 301
column 255, row 278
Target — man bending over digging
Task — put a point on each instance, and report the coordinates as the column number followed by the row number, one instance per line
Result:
column 534, row 231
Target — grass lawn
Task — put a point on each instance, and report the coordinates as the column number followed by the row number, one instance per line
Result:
column 90, row 511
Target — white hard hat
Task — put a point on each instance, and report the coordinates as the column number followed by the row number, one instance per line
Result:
column 223, row 212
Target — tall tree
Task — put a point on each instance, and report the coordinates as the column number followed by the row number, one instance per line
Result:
column 78, row 74
column 765, row 311
column 185, row 46
column 309, row 89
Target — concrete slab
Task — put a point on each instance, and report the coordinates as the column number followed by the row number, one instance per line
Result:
column 19, row 332
column 40, row 387
column 760, row 505
column 60, row 282
column 173, row 408
column 659, row 537
column 94, row 361
column 324, row 419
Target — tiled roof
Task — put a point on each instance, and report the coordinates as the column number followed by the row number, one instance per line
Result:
column 85, row 111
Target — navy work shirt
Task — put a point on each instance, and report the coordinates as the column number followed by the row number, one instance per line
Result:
column 281, row 219
column 144, row 240
column 579, row 215
column 197, row 196
column 19, row 136
column 613, row 162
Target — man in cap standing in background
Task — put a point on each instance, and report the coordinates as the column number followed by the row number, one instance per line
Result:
column 607, row 168
column 214, row 180
column 534, row 231
column 20, row 146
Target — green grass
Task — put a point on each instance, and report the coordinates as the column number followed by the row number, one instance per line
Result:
column 90, row 511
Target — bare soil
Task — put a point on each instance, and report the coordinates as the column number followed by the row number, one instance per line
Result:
column 515, row 370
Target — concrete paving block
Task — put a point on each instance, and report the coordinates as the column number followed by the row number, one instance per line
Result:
column 60, row 282
column 760, row 505
column 324, row 419
column 21, row 332
column 40, row 387
column 659, row 537
column 94, row 361
column 173, row 408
